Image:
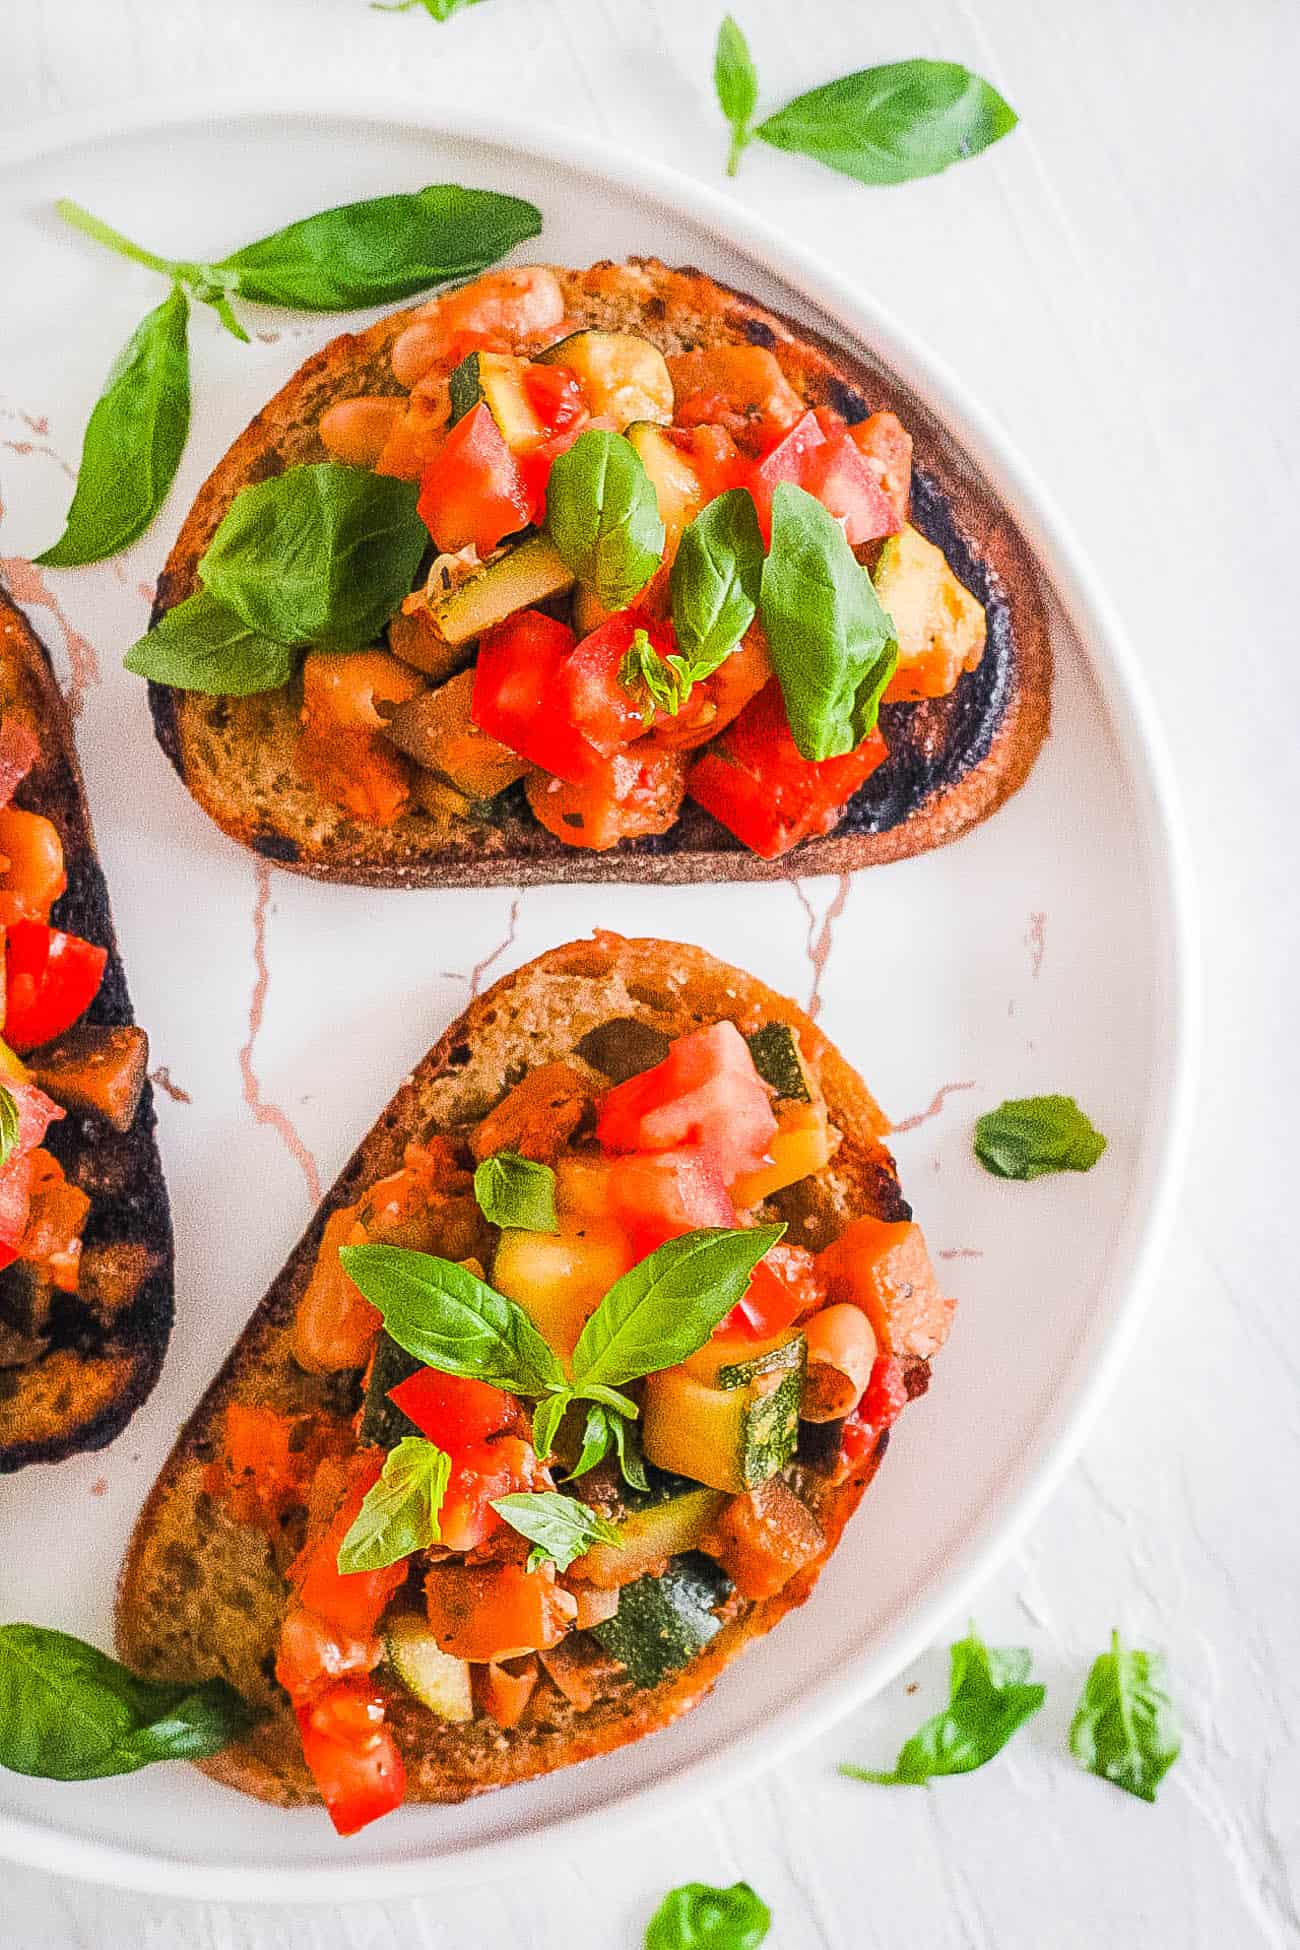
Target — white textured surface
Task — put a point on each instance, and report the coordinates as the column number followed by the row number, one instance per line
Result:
column 1118, row 282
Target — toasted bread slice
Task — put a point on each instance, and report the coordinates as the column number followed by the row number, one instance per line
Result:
column 202, row 1595
column 109, row 1340
column 952, row 760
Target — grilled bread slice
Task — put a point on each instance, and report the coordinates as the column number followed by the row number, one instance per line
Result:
column 202, row 1595
column 106, row 1343
column 952, row 760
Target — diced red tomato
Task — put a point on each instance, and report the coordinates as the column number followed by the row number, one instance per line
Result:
column 886, row 446
column 480, row 1472
column 884, row 1267
column 353, row 1757
column 313, row 1654
column 705, row 1093
column 452, row 1410
column 36, row 1112
column 757, row 782
column 715, row 457
column 51, row 979
column 622, row 797
column 352, row 1600
column 662, row 1195
column 886, row 1393
column 739, row 387
column 587, row 689
column 471, row 492
column 783, row 1287
column 496, row 1611
column 555, row 396
column 789, row 460
column 15, row 1201
column 843, row 482
column 712, row 705
column 514, row 695
column 31, row 866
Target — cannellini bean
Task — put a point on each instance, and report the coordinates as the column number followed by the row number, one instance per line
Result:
column 416, row 349
column 355, row 430
column 841, row 1350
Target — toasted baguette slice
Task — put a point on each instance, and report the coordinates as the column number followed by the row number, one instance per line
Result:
column 108, row 1344
column 952, row 760
column 201, row 1595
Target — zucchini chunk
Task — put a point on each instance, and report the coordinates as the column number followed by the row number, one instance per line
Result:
column 440, row 1682
column 621, row 375
column 940, row 626
column 803, row 1144
column 779, row 1061
column 497, row 378
column 731, row 1438
column 558, row 1278
column 677, row 486
column 382, row 1421
column 527, row 574
column 437, row 731
column 671, row 1519
column 661, row 1623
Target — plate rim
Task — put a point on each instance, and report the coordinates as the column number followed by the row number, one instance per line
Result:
column 1133, row 1264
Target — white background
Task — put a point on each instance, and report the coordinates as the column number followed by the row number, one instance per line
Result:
column 1118, row 283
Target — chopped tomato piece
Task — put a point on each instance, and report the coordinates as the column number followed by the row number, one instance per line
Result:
column 705, row 1093
column 663, row 1195
column 352, row 1600
column 783, row 1287
column 352, row 1755
column 506, row 1694
column 885, row 1269
column 335, row 1325
column 840, row 478
column 763, row 1538
column 31, row 866
column 713, row 704
column 789, row 460
column 555, row 396
column 496, row 1611
column 56, row 1215
column 886, row 446
column 313, row 1654
column 452, row 1410
column 514, row 694
column 15, row 1201
column 471, row 493
column 587, row 687
column 537, row 1116
column 51, row 979
column 480, row 1472
column 715, row 457
column 621, row 798
column 886, row 1392
column 739, row 387
column 36, row 1112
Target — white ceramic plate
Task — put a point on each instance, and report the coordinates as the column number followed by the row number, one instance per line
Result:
column 1046, row 951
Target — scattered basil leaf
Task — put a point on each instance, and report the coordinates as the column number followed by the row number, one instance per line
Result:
column 893, row 123
column 627, row 1450
column 1125, row 1728
column 735, row 82
column 715, row 581
column 603, row 516
column 450, row 1319
column 667, row 1306
column 436, row 9
column 513, row 1191
column 596, row 1438
column 650, row 678
column 400, row 1511
column 560, row 1527
column 700, row 1917
column 989, row 1699
column 1028, row 1137
column 203, row 646
column 134, row 440
column 547, row 1417
column 832, row 645
column 70, row 1713
column 8, row 1124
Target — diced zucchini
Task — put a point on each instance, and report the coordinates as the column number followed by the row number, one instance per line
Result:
column 940, row 626
column 497, row 378
column 662, row 1622
column 734, row 1360
column 658, row 1528
column 528, row 574
column 437, row 731
column 802, row 1145
column 730, row 1438
column 622, row 376
column 678, row 488
column 559, row 1277
column 382, row 1421
column 439, row 1681
column 779, row 1060
column 415, row 638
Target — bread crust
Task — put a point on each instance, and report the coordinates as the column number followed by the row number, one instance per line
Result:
column 201, row 1595
column 81, row 1393
column 952, row 761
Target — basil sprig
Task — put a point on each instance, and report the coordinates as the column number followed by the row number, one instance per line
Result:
column 436, row 9
column 399, row 1513
column 451, row 1320
column 9, row 1122
column 832, row 645
column 714, row 585
column 515, row 1191
column 602, row 514
column 558, row 1527
column 1029, row 1137
column 700, row 1917
column 1125, row 1728
column 887, row 124
column 70, row 1713
column 990, row 1698
column 319, row 556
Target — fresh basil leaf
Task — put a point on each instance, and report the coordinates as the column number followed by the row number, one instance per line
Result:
column 716, row 580
column 436, row 9
column 203, row 646
column 893, row 123
column 1125, row 1727
column 134, row 440
column 547, row 1417
column 989, row 1699
column 1028, row 1137
column 699, row 1917
column 513, row 1191
column 400, row 1513
column 627, row 1449
column 380, row 250
column 449, row 1319
column 70, row 1713
column 8, row 1124
column 596, row 1437
column 650, row 678
column 668, row 1305
column 560, row 1526
column 603, row 516
column 735, row 82
column 832, row 645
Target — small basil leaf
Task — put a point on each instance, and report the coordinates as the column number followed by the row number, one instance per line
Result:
column 134, row 440
column 716, row 580
column 893, row 123
column 513, row 1191
column 1125, row 1728
column 668, row 1305
column 700, row 1917
column 832, row 645
column 547, row 1417
column 400, row 1511
column 989, row 1699
column 8, row 1124
column 559, row 1526
column 603, row 516
column 649, row 678
column 1028, row 1137
column 627, row 1448
column 70, row 1713
column 735, row 82
column 203, row 646
column 449, row 1319
column 436, row 9
column 595, row 1439
column 382, row 249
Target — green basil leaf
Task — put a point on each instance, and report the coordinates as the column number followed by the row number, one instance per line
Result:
column 893, row 123
column 513, row 1191
column 989, row 1699
column 596, row 1439
column 832, row 645
column 627, row 1448
column 700, row 1917
column 668, row 1305
column 203, row 646
column 8, row 1124
column 449, row 1319
column 603, row 516
column 70, row 1713
column 1125, row 1728
column 559, row 1526
column 1028, row 1137
column 715, row 581
column 735, row 82
column 547, row 1417
column 436, row 9
column 400, row 1513
column 321, row 554
column 134, row 440
column 650, row 678
column 380, row 250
